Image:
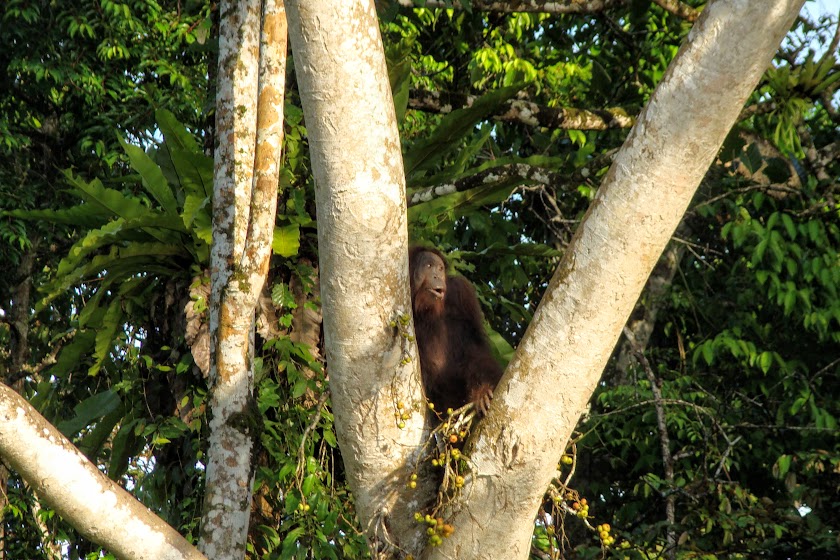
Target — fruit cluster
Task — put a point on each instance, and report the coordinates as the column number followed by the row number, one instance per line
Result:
column 437, row 530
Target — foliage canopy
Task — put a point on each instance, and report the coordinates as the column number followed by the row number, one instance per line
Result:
column 509, row 121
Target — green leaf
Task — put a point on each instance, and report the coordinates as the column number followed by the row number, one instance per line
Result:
column 457, row 204
column 89, row 410
column 123, row 447
column 196, row 217
column 91, row 313
column 751, row 158
column 399, row 75
column 790, row 227
column 733, row 145
column 112, row 201
column 181, row 159
column 789, row 301
column 286, row 240
column 92, row 443
column 120, row 263
column 73, row 354
column 453, row 127
column 765, row 360
column 799, row 402
column 174, row 133
column 290, row 542
column 308, row 484
column 827, row 83
column 519, row 249
column 152, row 227
column 782, row 466
column 502, row 350
column 153, row 180
column 299, row 388
column 708, row 353
column 84, row 215
column 111, row 323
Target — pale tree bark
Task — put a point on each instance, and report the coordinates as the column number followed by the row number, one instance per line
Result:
column 363, row 248
column 249, row 124
column 84, row 496
column 361, row 236
column 639, row 205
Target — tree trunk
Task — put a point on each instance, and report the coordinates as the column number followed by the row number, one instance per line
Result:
column 638, row 207
column 249, row 126
column 95, row 505
column 363, row 247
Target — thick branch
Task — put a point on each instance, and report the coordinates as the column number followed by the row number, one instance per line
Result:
column 94, row 504
column 639, row 205
column 363, row 253
column 493, row 176
column 526, row 112
column 252, row 63
column 679, row 9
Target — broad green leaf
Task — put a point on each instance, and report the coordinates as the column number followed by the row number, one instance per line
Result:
column 92, row 443
column 113, row 201
column 502, row 350
column 733, row 145
column 122, row 262
column 155, row 226
column 84, row 215
column 457, row 204
column 123, row 447
column 286, row 240
column 153, row 180
column 787, row 221
column 91, row 313
column 290, row 542
column 399, row 75
column 308, row 484
column 521, row 249
column 799, row 402
column 74, row 353
column 471, row 150
column 196, row 217
column 105, row 335
column 751, row 158
column 708, row 352
column 452, row 129
column 192, row 171
column 174, row 133
column 299, row 387
column 89, row 410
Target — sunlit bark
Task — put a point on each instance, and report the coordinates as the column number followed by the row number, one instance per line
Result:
column 95, row 505
column 363, row 250
column 249, row 126
column 590, row 297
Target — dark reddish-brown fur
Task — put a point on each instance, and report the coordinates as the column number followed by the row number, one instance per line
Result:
column 455, row 358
